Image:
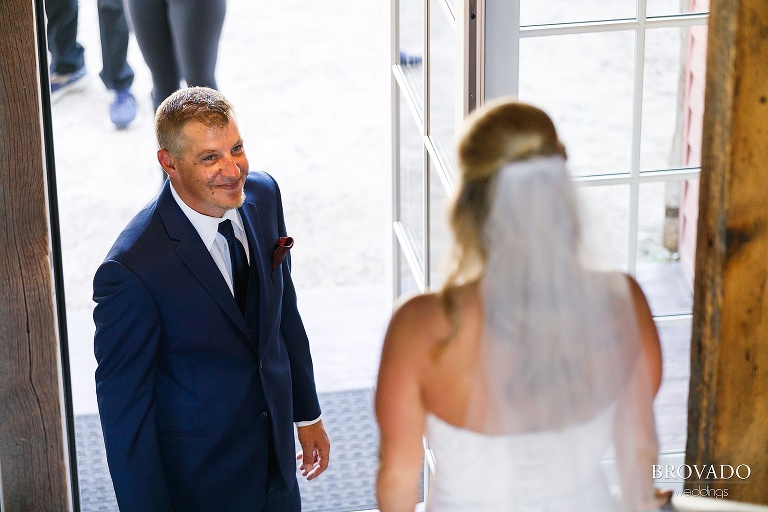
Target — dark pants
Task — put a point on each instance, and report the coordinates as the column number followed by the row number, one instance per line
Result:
column 67, row 53
column 179, row 40
column 113, row 29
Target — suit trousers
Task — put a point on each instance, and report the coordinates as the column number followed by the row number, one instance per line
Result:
column 67, row 55
column 116, row 74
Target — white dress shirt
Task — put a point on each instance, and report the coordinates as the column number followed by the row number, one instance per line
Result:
column 208, row 229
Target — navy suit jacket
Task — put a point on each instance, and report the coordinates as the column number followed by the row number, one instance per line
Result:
column 191, row 391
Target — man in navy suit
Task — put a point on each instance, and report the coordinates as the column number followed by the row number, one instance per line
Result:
column 198, row 395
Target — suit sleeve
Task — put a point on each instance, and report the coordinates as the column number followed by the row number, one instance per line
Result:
column 306, row 406
column 127, row 335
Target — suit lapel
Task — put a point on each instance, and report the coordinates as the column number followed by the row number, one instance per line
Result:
column 196, row 257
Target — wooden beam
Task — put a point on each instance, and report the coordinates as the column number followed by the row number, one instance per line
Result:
column 33, row 461
column 728, row 403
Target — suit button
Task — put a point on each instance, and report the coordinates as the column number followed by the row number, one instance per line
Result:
column 264, row 414
column 261, row 363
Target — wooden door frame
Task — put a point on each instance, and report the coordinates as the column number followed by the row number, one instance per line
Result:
column 38, row 469
column 728, row 397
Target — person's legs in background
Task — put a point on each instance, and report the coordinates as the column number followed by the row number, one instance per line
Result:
column 196, row 27
column 149, row 21
column 67, row 55
column 116, row 74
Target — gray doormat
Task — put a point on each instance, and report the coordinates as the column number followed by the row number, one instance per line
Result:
column 347, row 485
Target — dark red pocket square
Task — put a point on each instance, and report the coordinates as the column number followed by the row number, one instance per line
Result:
column 283, row 245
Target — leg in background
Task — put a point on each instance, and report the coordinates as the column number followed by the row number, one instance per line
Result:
column 116, row 73
column 196, row 26
column 149, row 20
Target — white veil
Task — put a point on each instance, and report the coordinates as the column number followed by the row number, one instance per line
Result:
column 562, row 358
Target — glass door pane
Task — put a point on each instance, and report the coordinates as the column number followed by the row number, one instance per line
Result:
column 539, row 12
column 411, row 182
column 439, row 232
column 605, row 224
column 443, row 100
column 591, row 101
column 673, row 7
column 411, row 47
column 659, row 271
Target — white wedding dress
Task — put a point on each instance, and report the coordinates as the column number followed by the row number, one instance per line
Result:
column 560, row 347
column 554, row 471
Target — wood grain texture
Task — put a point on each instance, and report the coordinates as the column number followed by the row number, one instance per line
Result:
column 728, row 403
column 32, row 453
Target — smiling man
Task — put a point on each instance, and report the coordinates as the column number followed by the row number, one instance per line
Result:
column 204, row 365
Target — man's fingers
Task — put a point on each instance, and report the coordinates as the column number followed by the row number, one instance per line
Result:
column 316, row 469
column 308, row 459
column 322, row 456
column 315, row 450
column 313, row 464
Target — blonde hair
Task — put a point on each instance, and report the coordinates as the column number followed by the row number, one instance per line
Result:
column 201, row 104
column 499, row 132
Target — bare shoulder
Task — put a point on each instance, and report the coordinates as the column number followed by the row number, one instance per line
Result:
column 406, row 348
column 425, row 318
column 418, row 306
column 620, row 284
column 649, row 335
column 636, row 292
column 419, row 315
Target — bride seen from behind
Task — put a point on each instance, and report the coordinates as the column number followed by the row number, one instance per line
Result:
column 527, row 368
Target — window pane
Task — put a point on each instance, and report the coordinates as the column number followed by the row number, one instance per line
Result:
column 538, row 12
column 407, row 283
column 442, row 82
column 689, row 213
column 452, row 6
column 673, row 97
column 671, row 404
column 693, row 108
column 670, row 7
column 591, row 103
column 659, row 270
column 663, row 94
column 605, row 224
column 411, row 47
column 411, row 180
column 439, row 233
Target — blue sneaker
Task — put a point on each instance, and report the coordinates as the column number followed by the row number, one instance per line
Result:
column 122, row 111
column 62, row 84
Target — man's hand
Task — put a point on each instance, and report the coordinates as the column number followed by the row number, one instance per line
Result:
column 316, row 448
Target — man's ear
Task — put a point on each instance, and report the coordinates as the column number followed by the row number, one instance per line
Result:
column 167, row 162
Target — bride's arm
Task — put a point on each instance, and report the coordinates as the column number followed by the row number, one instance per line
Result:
column 400, row 410
column 635, row 430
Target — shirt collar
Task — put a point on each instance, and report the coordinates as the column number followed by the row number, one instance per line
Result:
column 207, row 227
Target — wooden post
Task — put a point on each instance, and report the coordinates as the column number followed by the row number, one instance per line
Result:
column 728, row 403
column 32, row 451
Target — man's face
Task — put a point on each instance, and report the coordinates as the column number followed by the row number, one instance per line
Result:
column 210, row 172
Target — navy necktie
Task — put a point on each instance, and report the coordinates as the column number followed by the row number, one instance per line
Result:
column 239, row 263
